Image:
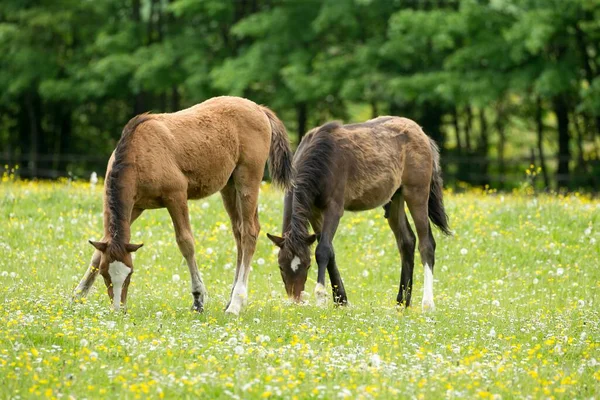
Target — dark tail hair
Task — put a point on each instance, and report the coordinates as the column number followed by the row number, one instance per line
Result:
column 437, row 213
column 280, row 155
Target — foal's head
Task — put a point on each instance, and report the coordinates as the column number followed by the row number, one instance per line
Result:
column 116, row 267
column 294, row 262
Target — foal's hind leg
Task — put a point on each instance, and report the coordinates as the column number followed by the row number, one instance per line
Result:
column 232, row 207
column 91, row 274
column 405, row 240
column 247, row 183
column 417, row 200
column 178, row 209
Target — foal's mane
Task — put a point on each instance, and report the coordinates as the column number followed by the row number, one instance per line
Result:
column 114, row 185
column 313, row 169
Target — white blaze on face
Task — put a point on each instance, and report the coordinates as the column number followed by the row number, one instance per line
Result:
column 428, row 288
column 118, row 273
column 295, row 263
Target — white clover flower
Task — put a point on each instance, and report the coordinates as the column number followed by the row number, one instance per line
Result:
column 83, row 343
column 239, row 350
column 560, row 271
column 93, row 355
column 176, row 278
column 209, row 250
column 263, row 339
column 232, row 341
column 376, row 360
column 492, row 333
column 260, row 261
column 205, row 205
column 463, row 251
column 496, row 303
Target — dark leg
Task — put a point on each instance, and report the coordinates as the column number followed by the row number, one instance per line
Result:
column 405, row 240
column 417, row 200
column 325, row 257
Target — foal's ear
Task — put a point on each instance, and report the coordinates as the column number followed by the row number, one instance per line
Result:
column 99, row 245
column 131, row 248
column 276, row 239
column 311, row 239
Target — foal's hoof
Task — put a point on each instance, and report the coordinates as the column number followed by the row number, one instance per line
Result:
column 233, row 309
column 341, row 301
column 428, row 305
column 321, row 295
column 197, row 307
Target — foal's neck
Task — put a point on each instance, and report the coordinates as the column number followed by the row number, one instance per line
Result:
column 118, row 206
column 301, row 207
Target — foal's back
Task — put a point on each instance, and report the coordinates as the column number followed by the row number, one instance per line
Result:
column 198, row 148
column 371, row 160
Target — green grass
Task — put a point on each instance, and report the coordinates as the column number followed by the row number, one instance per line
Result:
column 516, row 291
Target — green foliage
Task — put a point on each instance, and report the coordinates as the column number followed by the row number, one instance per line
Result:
column 96, row 64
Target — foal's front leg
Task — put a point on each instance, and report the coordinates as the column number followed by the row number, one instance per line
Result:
column 178, row 210
column 325, row 257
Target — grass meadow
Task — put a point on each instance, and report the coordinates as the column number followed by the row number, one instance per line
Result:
column 517, row 293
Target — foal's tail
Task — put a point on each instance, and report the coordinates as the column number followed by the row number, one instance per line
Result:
column 280, row 155
column 437, row 213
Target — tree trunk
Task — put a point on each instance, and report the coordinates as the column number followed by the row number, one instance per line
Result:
column 34, row 111
column 564, row 154
column 483, row 145
column 139, row 104
column 586, row 61
column 468, row 126
column 302, row 115
column 432, row 122
column 459, row 146
column 174, row 99
column 500, row 125
column 540, row 137
column 374, row 110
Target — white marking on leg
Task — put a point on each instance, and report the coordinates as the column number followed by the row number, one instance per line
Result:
column 427, row 303
column 239, row 295
column 295, row 263
column 320, row 295
column 84, row 285
column 118, row 273
column 87, row 281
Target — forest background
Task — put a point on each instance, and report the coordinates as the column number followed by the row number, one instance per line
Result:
column 501, row 84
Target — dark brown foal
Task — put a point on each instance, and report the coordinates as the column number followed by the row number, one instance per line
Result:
column 382, row 162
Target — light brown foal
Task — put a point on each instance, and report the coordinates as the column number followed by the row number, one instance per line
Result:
column 162, row 160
